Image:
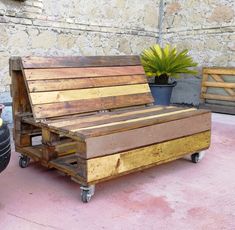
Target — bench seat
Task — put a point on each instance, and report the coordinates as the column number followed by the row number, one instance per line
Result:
column 112, row 132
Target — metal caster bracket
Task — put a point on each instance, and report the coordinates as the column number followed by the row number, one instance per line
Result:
column 87, row 192
column 24, row 161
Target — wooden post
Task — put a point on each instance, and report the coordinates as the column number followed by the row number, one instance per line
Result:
column 49, row 149
column 20, row 101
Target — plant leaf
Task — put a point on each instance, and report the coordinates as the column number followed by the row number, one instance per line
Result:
column 158, row 61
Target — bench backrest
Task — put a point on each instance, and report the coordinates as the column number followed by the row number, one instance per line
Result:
column 60, row 86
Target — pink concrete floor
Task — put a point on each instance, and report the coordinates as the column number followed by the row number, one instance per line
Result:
column 177, row 195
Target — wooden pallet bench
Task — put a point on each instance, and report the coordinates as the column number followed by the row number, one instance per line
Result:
column 92, row 118
column 218, row 89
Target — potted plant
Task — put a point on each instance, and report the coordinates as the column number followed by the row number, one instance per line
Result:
column 165, row 64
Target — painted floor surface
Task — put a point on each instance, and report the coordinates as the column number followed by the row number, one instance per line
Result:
column 178, row 195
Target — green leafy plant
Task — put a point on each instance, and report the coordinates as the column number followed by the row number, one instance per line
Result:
column 165, row 63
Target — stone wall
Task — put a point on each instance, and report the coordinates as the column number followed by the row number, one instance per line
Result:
column 75, row 27
column 112, row 27
column 207, row 29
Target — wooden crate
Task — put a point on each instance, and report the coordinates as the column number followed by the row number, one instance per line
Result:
column 218, row 90
column 95, row 118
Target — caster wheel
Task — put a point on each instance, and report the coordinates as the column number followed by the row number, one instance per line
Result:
column 24, row 161
column 197, row 157
column 85, row 196
column 87, row 193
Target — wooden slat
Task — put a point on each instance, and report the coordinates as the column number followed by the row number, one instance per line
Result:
column 84, row 94
column 112, row 123
column 66, row 149
column 219, row 79
column 203, row 88
column 20, row 99
column 67, row 165
column 109, row 119
column 160, row 118
column 34, row 152
column 88, row 61
column 140, row 136
column 14, row 64
column 104, row 116
column 82, row 83
column 218, row 97
column 114, row 165
column 48, row 150
column 224, row 71
column 82, row 106
column 70, row 73
column 219, row 84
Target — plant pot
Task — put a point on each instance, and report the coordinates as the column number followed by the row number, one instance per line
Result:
column 5, row 143
column 162, row 93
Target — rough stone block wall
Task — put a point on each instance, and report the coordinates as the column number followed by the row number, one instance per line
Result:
column 112, row 27
column 207, row 29
column 74, row 27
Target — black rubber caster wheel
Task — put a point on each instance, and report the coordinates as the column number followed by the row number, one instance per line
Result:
column 195, row 158
column 24, row 161
column 87, row 193
column 85, row 196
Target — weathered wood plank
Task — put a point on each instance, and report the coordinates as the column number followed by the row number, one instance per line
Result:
column 112, row 120
column 76, row 61
column 14, row 64
column 20, row 99
column 215, row 70
column 105, row 116
column 49, row 150
column 67, row 149
column 66, row 165
column 110, row 166
column 82, row 83
column 131, row 120
column 30, row 120
column 84, row 94
column 219, row 84
column 74, row 73
column 22, row 140
column 136, row 123
column 34, row 152
column 218, row 97
column 75, row 107
column 203, row 88
column 146, row 135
